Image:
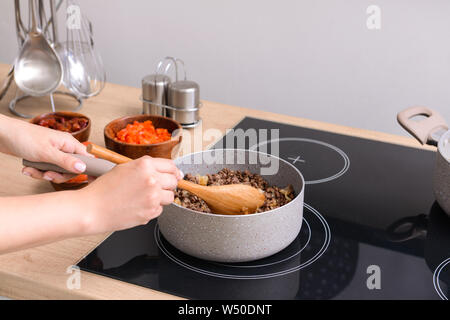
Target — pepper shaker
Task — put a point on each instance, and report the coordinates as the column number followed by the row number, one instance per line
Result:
column 183, row 99
column 154, row 94
column 154, row 87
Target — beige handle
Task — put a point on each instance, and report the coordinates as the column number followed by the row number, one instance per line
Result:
column 422, row 130
column 106, row 154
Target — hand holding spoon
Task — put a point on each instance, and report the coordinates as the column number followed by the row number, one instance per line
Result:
column 233, row 199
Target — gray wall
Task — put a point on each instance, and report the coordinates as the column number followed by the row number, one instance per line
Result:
column 313, row 59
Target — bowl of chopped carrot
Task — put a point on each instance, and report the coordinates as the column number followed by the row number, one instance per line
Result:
column 138, row 136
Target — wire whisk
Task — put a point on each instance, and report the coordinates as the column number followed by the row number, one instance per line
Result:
column 84, row 72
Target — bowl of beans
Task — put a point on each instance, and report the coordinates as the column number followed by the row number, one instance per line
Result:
column 138, row 136
column 77, row 124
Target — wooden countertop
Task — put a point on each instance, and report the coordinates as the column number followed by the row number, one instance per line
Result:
column 41, row 273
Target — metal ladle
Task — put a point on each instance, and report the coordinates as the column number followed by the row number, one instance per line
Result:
column 38, row 69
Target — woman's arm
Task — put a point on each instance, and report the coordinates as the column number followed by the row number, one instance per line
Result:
column 131, row 194
column 39, row 219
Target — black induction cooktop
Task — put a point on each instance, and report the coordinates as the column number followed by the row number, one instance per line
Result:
column 371, row 230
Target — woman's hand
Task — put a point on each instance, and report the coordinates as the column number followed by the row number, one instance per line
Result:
column 131, row 194
column 36, row 143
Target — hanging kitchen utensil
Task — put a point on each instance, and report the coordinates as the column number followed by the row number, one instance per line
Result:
column 84, row 71
column 37, row 70
column 7, row 83
column 45, row 26
column 432, row 130
column 21, row 31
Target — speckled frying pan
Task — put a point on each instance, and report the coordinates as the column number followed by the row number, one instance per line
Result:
column 242, row 238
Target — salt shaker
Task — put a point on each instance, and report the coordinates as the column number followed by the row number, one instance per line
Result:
column 154, row 94
column 183, row 99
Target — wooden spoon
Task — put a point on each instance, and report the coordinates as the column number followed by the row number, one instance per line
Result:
column 233, row 199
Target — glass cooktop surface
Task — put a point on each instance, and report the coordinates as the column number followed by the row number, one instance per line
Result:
column 371, row 230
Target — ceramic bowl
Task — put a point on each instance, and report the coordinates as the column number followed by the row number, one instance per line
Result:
column 167, row 149
column 81, row 135
column 68, row 186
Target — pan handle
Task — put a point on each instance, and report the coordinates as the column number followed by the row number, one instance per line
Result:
column 94, row 167
column 408, row 228
column 424, row 130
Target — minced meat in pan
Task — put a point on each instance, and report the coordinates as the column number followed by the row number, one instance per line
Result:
column 275, row 196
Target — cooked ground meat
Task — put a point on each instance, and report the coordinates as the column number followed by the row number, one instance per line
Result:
column 275, row 196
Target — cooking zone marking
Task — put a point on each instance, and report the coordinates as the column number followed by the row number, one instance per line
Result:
column 436, row 282
column 330, row 146
column 326, row 242
column 298, row 159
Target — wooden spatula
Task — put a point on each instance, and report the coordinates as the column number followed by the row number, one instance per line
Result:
column 233, row 199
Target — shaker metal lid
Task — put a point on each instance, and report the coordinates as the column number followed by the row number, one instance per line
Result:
column 154, row 87
column 184, row 94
